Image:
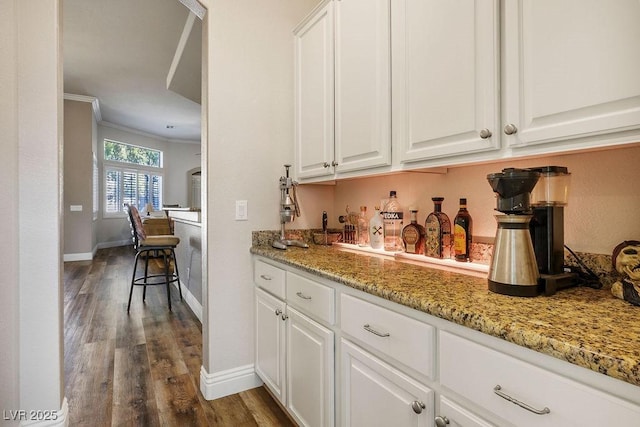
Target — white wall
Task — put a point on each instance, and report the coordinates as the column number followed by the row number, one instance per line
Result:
column 9, row 209
column 31, row 117
column 250, row 125
column 179, row 157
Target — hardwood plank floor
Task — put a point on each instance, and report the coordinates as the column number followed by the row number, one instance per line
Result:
column 141, row 369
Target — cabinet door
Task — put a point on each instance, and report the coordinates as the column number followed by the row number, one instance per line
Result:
column 376, row 394
column 363, row 85
column 456, row 416
column 314, row 92
column 310, row 371
column 270, row 342
column 445, row 77
column 570, row 70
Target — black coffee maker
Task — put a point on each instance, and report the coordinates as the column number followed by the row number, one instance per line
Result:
column 528, row 257
column 548, row 199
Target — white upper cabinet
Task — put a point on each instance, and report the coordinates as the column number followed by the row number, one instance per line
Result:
column 314, row 92
column 362, row 84
column 445, row 66
column 571, row 73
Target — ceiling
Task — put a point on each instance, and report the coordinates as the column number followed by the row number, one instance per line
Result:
column 122, row 53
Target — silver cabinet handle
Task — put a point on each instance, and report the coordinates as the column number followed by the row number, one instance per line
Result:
column 334, row 163
column 278, row 312
column 441, row 421
column 417, row 406
column 325, row 165
column 265, row 277
column 284, row 316
column 510, row 129
column 374, row 332
column 485, row 133
column 505, row 396
column 303, row 296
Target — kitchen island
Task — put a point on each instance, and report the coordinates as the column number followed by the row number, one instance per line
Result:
column 585, row 327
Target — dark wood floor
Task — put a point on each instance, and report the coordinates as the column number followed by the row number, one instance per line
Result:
column 141, row 369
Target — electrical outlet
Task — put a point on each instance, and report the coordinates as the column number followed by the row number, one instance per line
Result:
column 242, row 213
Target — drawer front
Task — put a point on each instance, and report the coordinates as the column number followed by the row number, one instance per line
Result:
column 407, row 340
column 269, row 278
column 474, row 371
column 311, row 297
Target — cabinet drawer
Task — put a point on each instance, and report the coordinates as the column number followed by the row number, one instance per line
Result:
column 407, row 340
column 311, row 297
column 475, row 371
column 269, row 278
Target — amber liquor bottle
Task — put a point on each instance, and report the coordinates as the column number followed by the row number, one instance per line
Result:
column 462, row 226
column 438, row 229
column 413, row 235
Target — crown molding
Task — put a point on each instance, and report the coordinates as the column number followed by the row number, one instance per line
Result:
column 95, row 103
column 146, row 134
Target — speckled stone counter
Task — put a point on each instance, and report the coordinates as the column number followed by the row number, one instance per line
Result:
column 583, row 326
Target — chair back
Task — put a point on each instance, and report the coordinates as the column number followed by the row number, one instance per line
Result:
column 137, row 230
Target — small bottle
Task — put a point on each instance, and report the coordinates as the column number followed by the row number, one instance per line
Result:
column 392, row 217
column 376, row 234
column 363, row 227
column 438, row 229
column 413, row 235
column 462, row 226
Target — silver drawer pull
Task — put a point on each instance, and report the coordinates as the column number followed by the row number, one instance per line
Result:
column 374, row 332
column 265, row 277
column 505, row 396
column 303, row 296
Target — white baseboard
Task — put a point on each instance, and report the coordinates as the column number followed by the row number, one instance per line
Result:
column 191, row 301
column 84, row 256
column 232, row 381
column 61, row 417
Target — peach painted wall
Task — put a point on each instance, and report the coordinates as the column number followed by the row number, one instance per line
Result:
column 604, row 198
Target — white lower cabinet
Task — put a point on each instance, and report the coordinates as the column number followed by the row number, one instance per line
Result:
column 376, row 394
column 294, row 354
column 523, row 394
column 399, row 367
column 451, row 414
column 270, row 342
column 310, row 371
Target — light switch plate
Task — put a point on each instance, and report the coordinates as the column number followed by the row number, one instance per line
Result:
column 242, row 213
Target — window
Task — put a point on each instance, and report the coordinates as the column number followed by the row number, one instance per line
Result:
column 132, row 175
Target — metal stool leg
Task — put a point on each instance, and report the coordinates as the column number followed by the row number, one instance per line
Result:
column 167, row 262
column 146, row 275
column 133, row 279
column 175, row 265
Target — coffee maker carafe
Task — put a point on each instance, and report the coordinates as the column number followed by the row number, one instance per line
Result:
column 514, row 269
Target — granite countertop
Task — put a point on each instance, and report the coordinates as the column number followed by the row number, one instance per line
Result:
column 587, row 327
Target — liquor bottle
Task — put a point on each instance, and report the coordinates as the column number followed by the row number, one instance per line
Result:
column 462, row 225
column 413, row 235
column 392, row 217
column 438, row 229
column 376, row 234
column 363, row 227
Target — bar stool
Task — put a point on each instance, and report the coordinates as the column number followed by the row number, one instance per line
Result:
column 146, row 246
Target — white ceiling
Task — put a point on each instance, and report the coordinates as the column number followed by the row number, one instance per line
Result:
column 121, row 52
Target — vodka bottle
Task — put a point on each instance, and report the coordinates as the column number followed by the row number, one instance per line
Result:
column 392, row 217
column 462, row 233
column 438, row 229
column 363, row 227
column 413, row 235
column 376, row 233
